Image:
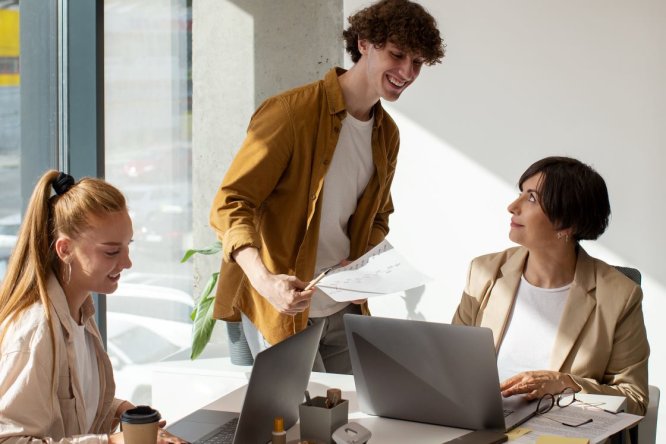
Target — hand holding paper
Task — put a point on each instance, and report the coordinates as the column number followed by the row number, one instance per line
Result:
column 381, row 271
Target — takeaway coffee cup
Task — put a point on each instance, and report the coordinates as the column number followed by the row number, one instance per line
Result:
column 139, row 425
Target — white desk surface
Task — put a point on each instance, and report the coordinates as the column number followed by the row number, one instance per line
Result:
column 220, row 385
column 384, row 430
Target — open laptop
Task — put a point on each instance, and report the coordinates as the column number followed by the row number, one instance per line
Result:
column 279, row 378
column 429, row 372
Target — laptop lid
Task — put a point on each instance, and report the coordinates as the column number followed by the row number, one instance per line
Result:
column 279, row 378
column 427, row 372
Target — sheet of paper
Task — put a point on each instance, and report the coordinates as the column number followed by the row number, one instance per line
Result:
column 603, row 424
column 553, row 439
column 612, row 403
column 381, row 271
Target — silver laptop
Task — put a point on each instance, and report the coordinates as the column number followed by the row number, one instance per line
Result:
column 277, row 383
column 429, row 372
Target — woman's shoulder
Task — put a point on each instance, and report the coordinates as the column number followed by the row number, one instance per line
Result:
column 497, row 259
column 607, row 275
column 27, row 331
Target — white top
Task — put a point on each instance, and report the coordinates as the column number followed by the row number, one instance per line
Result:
column 531, row 330
column 349, row 173
column 86, row 366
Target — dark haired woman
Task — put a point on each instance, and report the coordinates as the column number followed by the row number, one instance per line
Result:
column 560, row 318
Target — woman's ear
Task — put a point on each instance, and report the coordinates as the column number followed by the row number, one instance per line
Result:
column 63, row 248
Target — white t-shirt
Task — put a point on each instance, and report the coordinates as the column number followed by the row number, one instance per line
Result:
column 86, row 366
column 530, row 334
column 349, row 173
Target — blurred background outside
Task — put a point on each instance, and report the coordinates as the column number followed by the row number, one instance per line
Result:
column 148, row 155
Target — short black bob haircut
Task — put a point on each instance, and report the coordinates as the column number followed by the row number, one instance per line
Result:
column 572, row 194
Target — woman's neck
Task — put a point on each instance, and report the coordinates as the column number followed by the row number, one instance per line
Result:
column 551, row 268
column 75, row 298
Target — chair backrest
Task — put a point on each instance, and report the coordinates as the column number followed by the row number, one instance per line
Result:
column 647, row 428
column 631, row 273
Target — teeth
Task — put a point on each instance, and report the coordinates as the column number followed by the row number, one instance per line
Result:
column 396, row 82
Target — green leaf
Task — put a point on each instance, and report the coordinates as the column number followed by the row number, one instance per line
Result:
column 202, row 315
column 211, row 249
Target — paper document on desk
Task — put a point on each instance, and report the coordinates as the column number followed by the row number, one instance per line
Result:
column 603, row 424
column 381, row 271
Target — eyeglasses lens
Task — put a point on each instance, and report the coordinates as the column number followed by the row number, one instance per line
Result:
column 545, row 404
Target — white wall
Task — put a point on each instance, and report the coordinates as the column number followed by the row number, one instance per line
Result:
column 523, row 80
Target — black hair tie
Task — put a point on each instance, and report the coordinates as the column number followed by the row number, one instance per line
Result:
column 63, row 183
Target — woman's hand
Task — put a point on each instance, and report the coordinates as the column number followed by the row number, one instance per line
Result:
column 124, row 406
column 116, row 438
column 163, row 437
column 535, row 384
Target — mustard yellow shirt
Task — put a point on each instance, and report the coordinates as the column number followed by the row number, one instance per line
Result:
column 270, row 197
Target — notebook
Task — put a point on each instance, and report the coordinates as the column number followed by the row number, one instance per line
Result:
column 430, row 372
column 279, row 378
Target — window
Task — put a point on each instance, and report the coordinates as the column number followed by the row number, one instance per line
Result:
column 10, row 197
column 147, row 94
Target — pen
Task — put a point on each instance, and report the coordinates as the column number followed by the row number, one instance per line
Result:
column 308, row 401
column 316, row 280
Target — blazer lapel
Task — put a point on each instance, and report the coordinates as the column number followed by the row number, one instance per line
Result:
column 497, row 311
column 580, row 303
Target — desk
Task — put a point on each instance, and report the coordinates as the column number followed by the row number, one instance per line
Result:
column 181, row 387
column 384, row 430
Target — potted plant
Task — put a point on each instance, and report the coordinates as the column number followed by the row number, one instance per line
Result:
column 203, row 321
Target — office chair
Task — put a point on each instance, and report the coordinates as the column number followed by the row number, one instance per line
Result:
column 646, row 430
column 631, row 273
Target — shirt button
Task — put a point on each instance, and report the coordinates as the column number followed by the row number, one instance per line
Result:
column 313, row 197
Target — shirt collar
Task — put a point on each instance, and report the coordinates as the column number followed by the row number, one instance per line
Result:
column 336, row 101
column 61, row 307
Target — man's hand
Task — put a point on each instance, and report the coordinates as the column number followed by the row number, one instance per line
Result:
column 535, row 384
column 284, row 292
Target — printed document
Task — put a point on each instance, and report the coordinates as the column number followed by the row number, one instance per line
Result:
column 381, row 271
column 602, row 426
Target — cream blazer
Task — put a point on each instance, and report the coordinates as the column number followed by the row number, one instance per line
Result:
column 601, row 341
column 32, row 408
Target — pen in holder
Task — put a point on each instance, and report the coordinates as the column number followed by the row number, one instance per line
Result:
column 321, row 416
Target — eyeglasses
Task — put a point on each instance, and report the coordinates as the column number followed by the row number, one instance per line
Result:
column 562, row 399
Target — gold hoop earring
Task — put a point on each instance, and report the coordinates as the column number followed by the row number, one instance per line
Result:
column 67, row 273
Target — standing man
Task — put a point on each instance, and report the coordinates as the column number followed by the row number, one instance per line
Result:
column 310, row 186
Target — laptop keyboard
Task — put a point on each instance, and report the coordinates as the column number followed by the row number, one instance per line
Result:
column 222, row 435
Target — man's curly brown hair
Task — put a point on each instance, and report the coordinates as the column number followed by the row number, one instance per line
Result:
column 405, row 24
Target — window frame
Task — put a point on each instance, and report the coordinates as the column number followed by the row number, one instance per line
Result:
column 62, row 95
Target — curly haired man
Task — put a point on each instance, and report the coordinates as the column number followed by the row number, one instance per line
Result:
column 310, row 186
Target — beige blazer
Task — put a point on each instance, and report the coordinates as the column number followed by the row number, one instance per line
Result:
column 601, row 341
column 34, row 410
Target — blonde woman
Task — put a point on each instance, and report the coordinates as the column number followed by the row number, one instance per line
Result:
column 56, row 380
